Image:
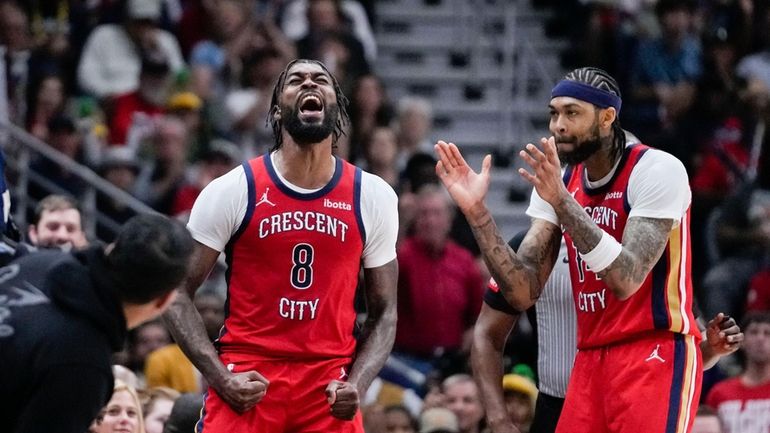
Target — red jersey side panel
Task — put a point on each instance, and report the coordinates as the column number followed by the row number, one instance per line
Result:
column 664, row 300
column 293, row 267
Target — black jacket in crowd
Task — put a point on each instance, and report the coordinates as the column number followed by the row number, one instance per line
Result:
column 60, row 321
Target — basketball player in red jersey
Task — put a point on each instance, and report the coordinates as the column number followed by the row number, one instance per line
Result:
column 296, row 226
column 624, row 211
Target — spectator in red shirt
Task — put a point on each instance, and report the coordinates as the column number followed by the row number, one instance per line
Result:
column 440, row 285
column 743, row 402
column 151, row 97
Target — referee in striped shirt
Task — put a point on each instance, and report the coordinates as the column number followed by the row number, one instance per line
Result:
column 557, row 335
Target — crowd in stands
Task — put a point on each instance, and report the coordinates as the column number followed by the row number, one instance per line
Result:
column 159, row 97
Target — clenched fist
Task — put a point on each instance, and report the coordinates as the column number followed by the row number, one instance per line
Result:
column 343, row 399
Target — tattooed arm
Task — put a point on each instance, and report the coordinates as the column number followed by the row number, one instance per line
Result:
column 242, row 390
column 644, row 240
column 521, row 276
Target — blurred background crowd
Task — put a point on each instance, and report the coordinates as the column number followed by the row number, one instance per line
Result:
column 159, row 97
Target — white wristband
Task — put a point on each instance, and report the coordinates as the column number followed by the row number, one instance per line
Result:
column 603, row 254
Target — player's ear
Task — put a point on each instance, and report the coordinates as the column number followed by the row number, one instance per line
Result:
column 276, row 113
column 608, row 115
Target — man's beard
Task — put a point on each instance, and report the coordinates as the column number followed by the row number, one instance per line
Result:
column 304, row 133
column 582, row 149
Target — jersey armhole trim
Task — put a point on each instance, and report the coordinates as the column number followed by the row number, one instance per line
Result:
column 357, row 203
column 251, row 194
column 626, row 203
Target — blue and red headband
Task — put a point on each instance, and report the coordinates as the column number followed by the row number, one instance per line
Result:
column 584, row 92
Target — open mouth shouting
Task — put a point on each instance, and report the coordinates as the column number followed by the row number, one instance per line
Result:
column 311, row 108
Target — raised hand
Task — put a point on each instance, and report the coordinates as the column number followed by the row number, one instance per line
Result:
column 724, row 336
column 242, row 391
column 343, row 399
column 466, row 187
column 545, row 175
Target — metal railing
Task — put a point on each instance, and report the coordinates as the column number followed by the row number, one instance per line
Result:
column 20, row 148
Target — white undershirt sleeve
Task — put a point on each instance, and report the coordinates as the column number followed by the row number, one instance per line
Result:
column 658, row 187
column 219, row 210
column 379, row 212
column 539, row 208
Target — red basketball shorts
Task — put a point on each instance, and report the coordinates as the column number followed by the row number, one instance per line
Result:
column 295, row 400
column 650, row 384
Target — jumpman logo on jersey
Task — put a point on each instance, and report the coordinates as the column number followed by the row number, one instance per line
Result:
column 343, row 373
column 264, row 199
column 654, row 355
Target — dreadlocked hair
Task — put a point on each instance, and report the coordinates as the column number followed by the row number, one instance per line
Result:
column 600, row 79
column 342, row 102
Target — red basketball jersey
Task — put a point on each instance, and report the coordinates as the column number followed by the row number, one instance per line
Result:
column 663, row 302
column 293, row 267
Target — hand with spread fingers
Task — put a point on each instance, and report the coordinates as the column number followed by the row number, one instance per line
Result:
column 545, row 174
column 466, row 187
column 723, row 334
column 343, row 399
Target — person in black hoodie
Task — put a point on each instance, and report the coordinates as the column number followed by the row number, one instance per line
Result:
column 62, row 315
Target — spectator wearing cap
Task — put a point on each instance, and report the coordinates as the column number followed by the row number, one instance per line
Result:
column 221, row 157
column 112, row 56
column 65, row 138
column 520, row 394
column 188, row 107
column 120, row 167
column 150, row 98
column 439, row 420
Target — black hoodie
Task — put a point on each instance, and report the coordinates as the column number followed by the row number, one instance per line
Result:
column 60, row 321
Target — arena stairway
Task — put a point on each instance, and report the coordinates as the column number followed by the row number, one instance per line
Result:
column 487, row 67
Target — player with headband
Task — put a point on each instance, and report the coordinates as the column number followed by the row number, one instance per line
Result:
column 623, row 209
